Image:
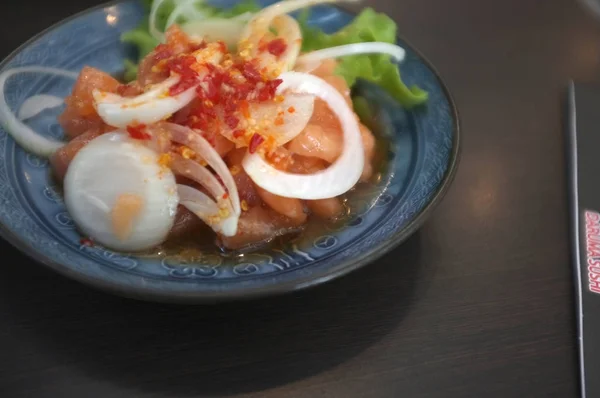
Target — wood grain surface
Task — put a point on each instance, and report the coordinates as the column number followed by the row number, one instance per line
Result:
column 479, row 303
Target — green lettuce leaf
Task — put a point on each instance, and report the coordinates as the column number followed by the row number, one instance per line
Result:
column 143, row 41
column 367, row 26
column 240, row 8
column 131, row 70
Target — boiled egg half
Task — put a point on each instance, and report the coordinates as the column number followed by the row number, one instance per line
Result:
column 119, row 195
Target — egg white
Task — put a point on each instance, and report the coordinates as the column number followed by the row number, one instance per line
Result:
column 112, row 165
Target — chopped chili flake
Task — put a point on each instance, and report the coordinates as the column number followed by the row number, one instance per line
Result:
column 182, row 86
column 242, row 90
column 218, row 77
column 198, row 46
column 200, row 124
column 210, row 67
column 138, row 132
column 255, row 142
column 277, row 46
column 239, row 133
column 188, row 77
column 209, row 111
column 230, row 106
column 162, row 51
column 278, row 121
column 291, row 109
column 182, row 64
column 251, row 73
column 222, row 46
column 232, row 121
column 225, row 195
column 86, row 242
column 212, row 90
column 244, row 107
column 268, row 91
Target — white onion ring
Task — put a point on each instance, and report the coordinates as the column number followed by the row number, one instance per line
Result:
column 33, row 106
column 290, row 31
column 192, row 139
column 192, row 13
column 194, row 171
column 262, row 20
column 201, row 203
column 226, row 29
column 310, row 61
column 154, row 32
column 150, row 107
column 161, row 139
column 24, row 135
column 287, row 29
column 340, row 176
column 293, row 123
column 207, row 210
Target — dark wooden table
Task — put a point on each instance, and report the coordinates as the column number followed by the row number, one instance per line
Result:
column 479, row 303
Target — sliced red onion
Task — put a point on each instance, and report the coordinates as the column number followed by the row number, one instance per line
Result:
column 310, row 61
column 150, row 107
column 340, row 176
column 21, row 133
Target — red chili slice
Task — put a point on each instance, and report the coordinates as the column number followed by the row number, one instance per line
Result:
column 255, row 142
column 277, row 46
column 86, row 242
column 182, row 66
column 238, row 133
column 250, row 72
column 268, row 91
column 138, row 132
column 231, row 121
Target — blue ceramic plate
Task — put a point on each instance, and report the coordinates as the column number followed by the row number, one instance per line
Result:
column 422, row 157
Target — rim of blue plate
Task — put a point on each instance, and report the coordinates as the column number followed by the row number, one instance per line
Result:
column 316, row 278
